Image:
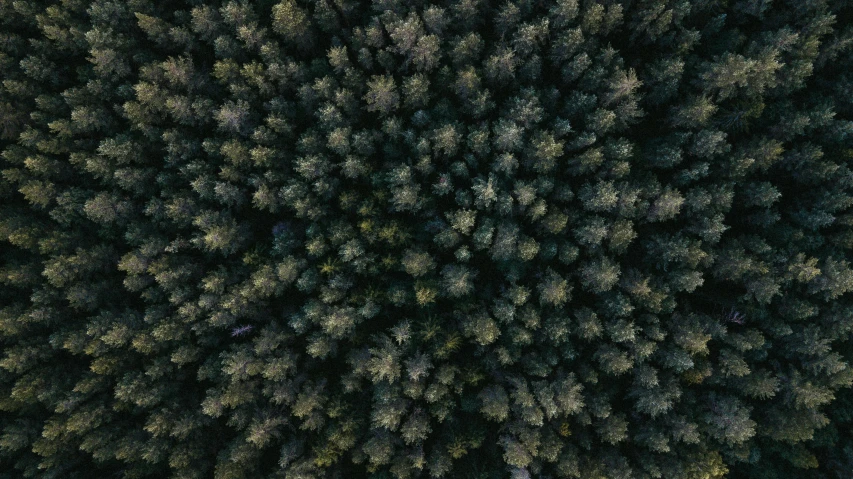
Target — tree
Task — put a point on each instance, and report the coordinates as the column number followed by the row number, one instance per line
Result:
column 417, row 263
column 416, row 91
column 600, row 275
column 554, row 290
column 728, row 420
column 602, row 197
column 232, row 117
column 694, row 114
column 667, row 206
column 545, row 151
column 333, row 239
column 504, row 245
column 382, row 96
column 293, row 24
column 458, row 280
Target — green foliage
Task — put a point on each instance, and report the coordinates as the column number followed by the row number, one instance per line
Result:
column 309, row 239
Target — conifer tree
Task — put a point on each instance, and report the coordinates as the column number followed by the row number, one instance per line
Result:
column 388, row 239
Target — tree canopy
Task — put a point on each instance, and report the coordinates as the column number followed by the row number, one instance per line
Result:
column 301, row 239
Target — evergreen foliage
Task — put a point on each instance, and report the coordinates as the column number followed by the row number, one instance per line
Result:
column 398, row 239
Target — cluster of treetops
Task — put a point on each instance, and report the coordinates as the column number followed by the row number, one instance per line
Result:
column 397, row 239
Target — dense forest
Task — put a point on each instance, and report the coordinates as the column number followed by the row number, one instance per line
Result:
column 589, row 239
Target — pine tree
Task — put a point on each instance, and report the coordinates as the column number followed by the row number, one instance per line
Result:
column 331, row 239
